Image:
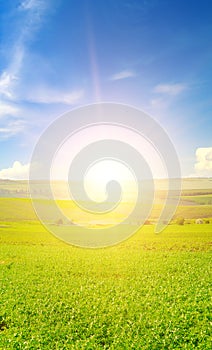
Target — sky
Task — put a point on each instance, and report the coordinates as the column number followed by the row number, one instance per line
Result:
column 155, row 55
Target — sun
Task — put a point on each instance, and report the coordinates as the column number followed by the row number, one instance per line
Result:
column 102, row 173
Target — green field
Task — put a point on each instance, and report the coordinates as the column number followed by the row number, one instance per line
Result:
column 149, row 292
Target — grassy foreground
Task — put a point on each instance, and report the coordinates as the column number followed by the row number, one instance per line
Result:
column 149, row 292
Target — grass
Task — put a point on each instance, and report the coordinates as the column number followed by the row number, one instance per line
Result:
column 16, row 209
column 205, row 199
column 194, row 212
column 149, row 292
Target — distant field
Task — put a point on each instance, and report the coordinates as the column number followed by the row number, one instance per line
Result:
column 205, row 199
column 148, row 292
column 20, row 189
column 16, row 209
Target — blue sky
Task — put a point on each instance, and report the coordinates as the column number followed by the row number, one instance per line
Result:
column 156, row 55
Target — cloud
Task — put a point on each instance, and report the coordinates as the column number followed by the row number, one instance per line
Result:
column 11, row 87
column 17, row 172
column 12, row 128
column 123, row 75
column 164, row 96
column 170, row 89
column 49, row 96
column 209, row 156
column 32, row 4
column 34, row 12
column 159, row 103
column 6, row 81
column 8, row 109
column 10, row 122
column 203, row 163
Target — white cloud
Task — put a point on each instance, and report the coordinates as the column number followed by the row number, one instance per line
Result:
column 6, row 82
column 48, row 96
column 11, row 124
column 10, row 76
column 12, row 88
column 159, row 103
column 164, row 96
column 30, row 23
column 12, row 128
column 17, row 172
column 204, row 161
column 123, row 75
column 8, row 109
column 170, row 89
column 32, row 4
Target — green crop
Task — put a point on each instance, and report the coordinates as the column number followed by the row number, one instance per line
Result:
column 149, row 292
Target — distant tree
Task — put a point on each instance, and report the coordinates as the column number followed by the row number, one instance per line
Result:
column 180, row 221
column 147, row 222
column 199, row 221
column 59, row 222
column 165, row 222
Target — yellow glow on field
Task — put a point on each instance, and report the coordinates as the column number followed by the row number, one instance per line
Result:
column 95, row 183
